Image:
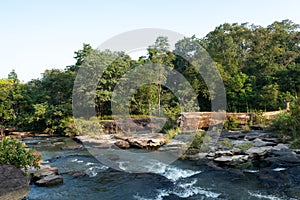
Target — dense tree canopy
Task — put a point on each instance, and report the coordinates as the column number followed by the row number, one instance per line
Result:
column 260, row 68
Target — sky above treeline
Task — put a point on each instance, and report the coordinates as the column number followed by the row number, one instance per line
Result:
column 38, row 35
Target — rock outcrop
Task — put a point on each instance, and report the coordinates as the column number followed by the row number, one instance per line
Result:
column 246, row 147
column 144, row 141
column 14, row 183
column 47, row 176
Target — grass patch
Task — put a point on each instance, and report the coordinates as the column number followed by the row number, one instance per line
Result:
column 225, row 143
column 245, row 146
column 171, row 133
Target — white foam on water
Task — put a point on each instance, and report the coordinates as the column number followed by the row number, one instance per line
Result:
column 261, row 196
column 183, row 190
column 123, row 165
column 93, row 171
column 171, row 172
column 77, row 161
column 174, row 173
column 251, row 171
column 89, row 163
column 278, row 169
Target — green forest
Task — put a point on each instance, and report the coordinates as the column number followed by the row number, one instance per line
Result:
column 260, row 68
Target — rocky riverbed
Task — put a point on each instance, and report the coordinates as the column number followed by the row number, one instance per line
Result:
column 253, row 165
column 260, row 153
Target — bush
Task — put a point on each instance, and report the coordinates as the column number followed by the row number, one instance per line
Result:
column 91, row 127
column 246, row 128
column 287, row 124
column 171, row 133
column 231, row 123
column 198, row 140
column 13, row 152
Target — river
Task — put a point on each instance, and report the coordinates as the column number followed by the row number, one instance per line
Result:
column 180, row 180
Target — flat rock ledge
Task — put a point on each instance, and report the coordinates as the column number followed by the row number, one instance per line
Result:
column 46, row 176
column 14, row 183
column 147, row 141
column 142, row 141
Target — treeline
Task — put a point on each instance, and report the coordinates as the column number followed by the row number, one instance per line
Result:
column 260, row 68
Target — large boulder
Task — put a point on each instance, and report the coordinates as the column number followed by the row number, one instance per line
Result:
column 47, row 176
column 122, row 144
column 144, row 141
column 14, row 183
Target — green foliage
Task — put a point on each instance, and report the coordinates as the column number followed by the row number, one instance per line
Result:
column 260, row 68
column 287, row 124
column 13, row 152
column 245, row 146
column 231, row 123
column 246, row 128
column 198, row 139
column 171, row 133
column 91, row 127
column 226, row 143
column 259, row 117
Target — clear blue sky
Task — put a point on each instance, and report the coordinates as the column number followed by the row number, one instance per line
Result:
column 39, row 34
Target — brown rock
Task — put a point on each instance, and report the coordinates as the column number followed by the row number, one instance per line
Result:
column 144, row 141
column 122, row 144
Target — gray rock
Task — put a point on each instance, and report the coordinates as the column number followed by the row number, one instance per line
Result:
column 235, row 135
column 232, row 160
column 284, row 157
column 258, row 151
column 14, row 183
column 230, row 152
column 280, row 146
column 260, row 143
column 198, row 156
column 51, row 180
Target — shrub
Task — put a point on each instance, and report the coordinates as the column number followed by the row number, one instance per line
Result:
column 198, row 140
column 171, row 133
column 287, row 124
column 13, row 152
column 231, row 123
column 246, row 128
column 91, row 127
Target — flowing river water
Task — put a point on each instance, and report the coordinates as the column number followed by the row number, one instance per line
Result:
column 180, row 180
